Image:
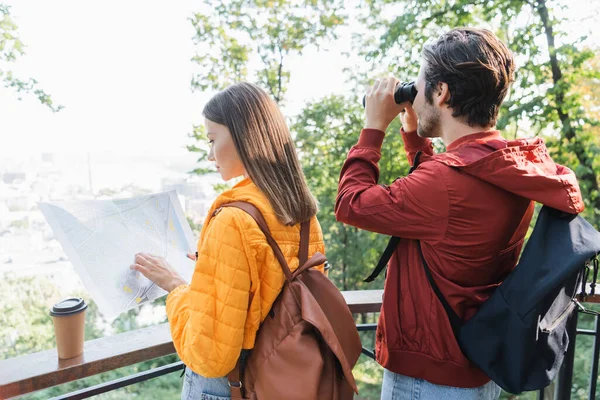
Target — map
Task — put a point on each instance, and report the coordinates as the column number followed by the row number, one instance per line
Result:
column 102, row 237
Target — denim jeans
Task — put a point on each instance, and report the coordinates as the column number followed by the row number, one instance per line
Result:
column 400, row 387
column 197, row 387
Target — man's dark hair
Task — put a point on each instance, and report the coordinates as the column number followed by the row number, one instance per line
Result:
column 478, row 69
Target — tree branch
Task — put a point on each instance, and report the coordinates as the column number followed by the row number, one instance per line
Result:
column 279, row 72
column 589, row 176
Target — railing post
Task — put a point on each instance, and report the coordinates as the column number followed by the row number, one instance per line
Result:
column 540, row 395
column 565, row 375
column 547, row 393
column 594, row 373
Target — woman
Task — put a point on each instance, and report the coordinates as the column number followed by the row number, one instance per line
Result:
column 237, row 276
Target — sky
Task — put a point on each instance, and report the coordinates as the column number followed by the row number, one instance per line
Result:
column 122, row 70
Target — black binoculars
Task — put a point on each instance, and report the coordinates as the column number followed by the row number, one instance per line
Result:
column 405, row 91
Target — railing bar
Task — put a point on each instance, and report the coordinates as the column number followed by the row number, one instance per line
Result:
column 366, row 327
column 565, row 374
column 121, row 382
column 594, row 373
column 153, row 373
column 562, row 390
column 587, row 332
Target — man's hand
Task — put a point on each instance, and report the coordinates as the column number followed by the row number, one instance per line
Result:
column 409, row 119
column 158, row 270
column 380, row 107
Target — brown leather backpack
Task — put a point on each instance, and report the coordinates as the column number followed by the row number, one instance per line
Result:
column 306, row 347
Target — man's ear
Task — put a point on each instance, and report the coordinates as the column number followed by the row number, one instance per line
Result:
column 442, row 94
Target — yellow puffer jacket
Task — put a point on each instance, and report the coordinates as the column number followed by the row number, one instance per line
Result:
column 211, row 319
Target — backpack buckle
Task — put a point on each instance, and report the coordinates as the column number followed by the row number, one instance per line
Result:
column 595, row 265
column 237, row 384
column 581, row 308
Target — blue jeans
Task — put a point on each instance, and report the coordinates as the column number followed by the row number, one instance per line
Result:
column 197, row 387
column 400, row 387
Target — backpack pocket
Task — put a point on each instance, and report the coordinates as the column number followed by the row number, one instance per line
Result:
column 551, row 322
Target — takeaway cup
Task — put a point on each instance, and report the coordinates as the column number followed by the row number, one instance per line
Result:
column 68, row 316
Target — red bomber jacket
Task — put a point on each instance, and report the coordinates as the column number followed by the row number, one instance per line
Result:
column 470, row 207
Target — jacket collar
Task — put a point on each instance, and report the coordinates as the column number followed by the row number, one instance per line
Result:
column 242, row 183
column 480, row 137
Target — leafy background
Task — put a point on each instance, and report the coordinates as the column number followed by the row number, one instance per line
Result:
column 556, row 95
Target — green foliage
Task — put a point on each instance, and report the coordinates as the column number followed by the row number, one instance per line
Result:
column 325, row 132
column 11, row 48
column 547, row 95
column 368, row 375
column 20, row 224
column 238, row 33
column 200, row 146
column 26, row 327
column 249, row 40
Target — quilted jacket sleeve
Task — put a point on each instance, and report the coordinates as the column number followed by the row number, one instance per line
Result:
column 207, row 317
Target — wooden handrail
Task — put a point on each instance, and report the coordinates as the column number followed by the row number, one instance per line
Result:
column 31, row 372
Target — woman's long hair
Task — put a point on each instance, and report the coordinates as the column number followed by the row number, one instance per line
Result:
column 264, row 144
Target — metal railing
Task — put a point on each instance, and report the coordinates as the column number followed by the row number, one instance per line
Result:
column 159, row 371
column 564, row 381
column 365, row 302
column 42, row 370
column 562, row 388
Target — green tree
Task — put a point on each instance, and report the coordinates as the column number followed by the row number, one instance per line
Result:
column 546, row 93
column 11, row 48
column 325, row 132
column 250, row 40
column 239, row 32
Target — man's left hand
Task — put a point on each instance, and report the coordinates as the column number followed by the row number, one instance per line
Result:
column 158, row 270
column 409, row 119
column 380, row 106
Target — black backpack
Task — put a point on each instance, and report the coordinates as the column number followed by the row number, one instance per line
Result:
column 518, row 337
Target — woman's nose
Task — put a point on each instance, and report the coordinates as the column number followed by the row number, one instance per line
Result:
column 211, row 155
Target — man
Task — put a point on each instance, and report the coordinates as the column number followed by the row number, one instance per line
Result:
column 469, row 208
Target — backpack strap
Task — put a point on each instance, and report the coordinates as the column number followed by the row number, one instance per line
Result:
column 455, row 321
column 385, row 258
column 304, row 239
column 236, row 376
column 394, row 240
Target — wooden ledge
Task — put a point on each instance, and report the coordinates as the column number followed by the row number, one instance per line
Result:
column 41, row 370
column 363, row 301
column 31, row 372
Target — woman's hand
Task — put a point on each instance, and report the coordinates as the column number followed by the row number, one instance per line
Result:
column 158, row 270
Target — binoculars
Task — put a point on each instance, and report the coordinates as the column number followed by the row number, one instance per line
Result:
column 405, row 91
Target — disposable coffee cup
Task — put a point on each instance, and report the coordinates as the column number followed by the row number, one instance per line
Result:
column 68, row 316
